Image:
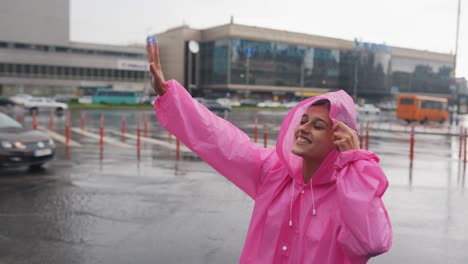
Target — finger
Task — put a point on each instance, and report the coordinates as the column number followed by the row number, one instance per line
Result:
column 339, row 124
column 343, row 127
column 338, row 134
column 149, row 51
column 340, row 144
column 153, row 71
column 156, row 54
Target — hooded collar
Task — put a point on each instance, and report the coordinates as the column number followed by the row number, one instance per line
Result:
column 341, row 108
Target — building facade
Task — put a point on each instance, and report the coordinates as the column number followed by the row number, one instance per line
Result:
column 38, row 58
column 245, row 60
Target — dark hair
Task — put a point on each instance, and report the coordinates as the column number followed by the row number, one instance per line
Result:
column 324, row 102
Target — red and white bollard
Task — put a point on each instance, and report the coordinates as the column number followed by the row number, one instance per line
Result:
column 460, row 142
column 464, row 155
column 138, row 138
column 411, row 156
column 256, row 130
column 177, row 149
column 360, row 136
column 367, row 136
column 412, row 141
column 101, row 131
column 83, row 122
column 145, row 133
column 51, row 120
column 34, row 125
column 464, row 146
column 19, row 119
column 67, row 129
column 124, row 126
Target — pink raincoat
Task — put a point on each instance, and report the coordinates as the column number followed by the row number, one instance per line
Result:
column 339, row 218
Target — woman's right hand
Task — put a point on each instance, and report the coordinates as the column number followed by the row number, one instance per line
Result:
column 157, row 81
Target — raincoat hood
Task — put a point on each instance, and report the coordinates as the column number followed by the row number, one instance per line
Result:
column 341, row 108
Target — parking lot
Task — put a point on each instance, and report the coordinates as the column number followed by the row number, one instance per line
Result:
column 115, row 204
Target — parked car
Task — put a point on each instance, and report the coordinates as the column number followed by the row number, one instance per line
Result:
column 387, row 106
column 214, row 106
column 368, row 109
column 290, row 104
column 21, row 98
column 43, row 104
column 22, row 147
column 249, row 102
column 85, row 100
column 10, row 107
column 228, row 102
column 63, row 98
column 269, row 103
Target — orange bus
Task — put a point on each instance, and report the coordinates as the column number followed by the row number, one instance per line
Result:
column 420, row 108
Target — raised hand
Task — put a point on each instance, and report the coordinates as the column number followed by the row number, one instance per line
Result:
column 158, row 82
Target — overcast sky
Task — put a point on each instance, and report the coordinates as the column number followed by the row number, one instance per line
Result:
column 420, row 24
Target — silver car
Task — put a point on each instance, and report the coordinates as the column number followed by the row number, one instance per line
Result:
column 44, row 104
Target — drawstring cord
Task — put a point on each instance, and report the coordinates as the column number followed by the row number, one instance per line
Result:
column 293, row 188
column 291, row 204
column 314, row 212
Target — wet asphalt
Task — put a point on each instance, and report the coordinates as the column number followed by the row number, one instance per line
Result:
column 115, row 206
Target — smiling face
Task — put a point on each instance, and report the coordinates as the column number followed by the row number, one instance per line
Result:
column 313, row 135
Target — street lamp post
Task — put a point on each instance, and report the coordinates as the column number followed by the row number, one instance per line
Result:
column 356, row 65
column 248, row 53
column 454, row 74
column 194, row 48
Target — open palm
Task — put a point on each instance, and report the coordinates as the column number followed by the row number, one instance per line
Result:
column 158, row 81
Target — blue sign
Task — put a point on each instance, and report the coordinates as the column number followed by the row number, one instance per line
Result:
column 370, row 46
column 249, row 52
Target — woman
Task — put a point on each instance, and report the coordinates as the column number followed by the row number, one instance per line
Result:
column 317, row 196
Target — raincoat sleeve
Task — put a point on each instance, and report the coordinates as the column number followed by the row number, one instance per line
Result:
column 222, row 145
column 366, row 230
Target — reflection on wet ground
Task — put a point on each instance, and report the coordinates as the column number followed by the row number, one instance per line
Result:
column 107, row 206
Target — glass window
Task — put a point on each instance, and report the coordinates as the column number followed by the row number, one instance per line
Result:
column 61, row 49
column 280, row 64
column 21, row 46
column 412, row 75
column 213, row 62
column 406, row 101
column 50, row 70
column 42, row 69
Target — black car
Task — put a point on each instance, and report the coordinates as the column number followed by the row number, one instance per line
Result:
column 22, row 147
column 8, row 106
column 6, row 102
